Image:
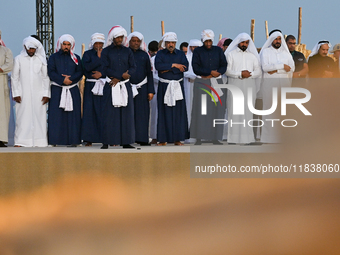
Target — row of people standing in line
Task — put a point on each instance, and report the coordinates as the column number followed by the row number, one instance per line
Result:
column 100, row 119
column 105, row 119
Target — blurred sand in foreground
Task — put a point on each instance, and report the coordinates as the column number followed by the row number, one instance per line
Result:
column 103, row 214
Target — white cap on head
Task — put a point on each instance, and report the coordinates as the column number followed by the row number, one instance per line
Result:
column 140, row 37
column 207, row 34
column 96, row 37
column 115, row 32
column 169, row 37
column 70, row 39
column 32, row 43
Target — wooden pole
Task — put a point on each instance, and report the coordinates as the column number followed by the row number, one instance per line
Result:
column 266, row 25
column 300, row 25
column 252, row 29
column 82, row 49
column 162, row 24
column 220, row 37
column 131, row 24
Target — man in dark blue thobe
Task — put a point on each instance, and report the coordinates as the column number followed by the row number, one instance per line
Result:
column 170, row 63
column 210, row 63
column 118, row 111
column 64, row 114
column 142, row 87
column 93, row 92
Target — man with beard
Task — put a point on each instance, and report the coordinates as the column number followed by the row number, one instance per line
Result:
column 172, row 125
column 118, row 110
column 142, row 87
column 209, row 62
column 93, row 92
column 278, row 67
column 64, row 116
column 30, row 109
column 6, row 65
column 243, row 70
column 319, row 63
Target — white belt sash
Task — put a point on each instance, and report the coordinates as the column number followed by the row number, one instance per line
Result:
column 119, row 93
column 214, row 83
column 66, row 101
column 173, row 92
column 98, row 86
column 138, row 86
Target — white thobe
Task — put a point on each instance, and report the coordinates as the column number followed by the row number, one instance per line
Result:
column 153, row 102
column 239, row 61
column 6, row 64
column 225, row 128
column 274, row 59
column 30, row 81
column 189, row 87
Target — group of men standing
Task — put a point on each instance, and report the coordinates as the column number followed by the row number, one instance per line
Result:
column 122, row 79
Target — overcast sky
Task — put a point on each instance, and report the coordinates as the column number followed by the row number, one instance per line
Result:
column 82, row 18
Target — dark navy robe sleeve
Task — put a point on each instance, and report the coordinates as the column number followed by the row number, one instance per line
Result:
column 78, row 71
column 223, row 63
column 150, row 84
column 163, row 64
column 160, row 62
column 109, row 69
column 143, row 69
column 132, row 65
column 52, row 70
column 197, row 60
column 91, row 62
column 118, row 60
column 183, row 61
column 206, row 60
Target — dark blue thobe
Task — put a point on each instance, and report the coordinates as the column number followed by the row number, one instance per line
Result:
column 64, row 126
column 141, row 101
column 92, row 104
column 203, row 62
column 172, row 123
column 117, row 122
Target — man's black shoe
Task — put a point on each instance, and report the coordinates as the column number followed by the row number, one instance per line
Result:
column 105, row 146
column 144, row 144
column 128, row 146
column 72, row 145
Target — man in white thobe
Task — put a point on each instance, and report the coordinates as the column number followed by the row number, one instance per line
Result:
column 243, row 71
column 31, row 92
column 153, row 102
column 278, row 67
column 189, row 78
column 6, row 65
